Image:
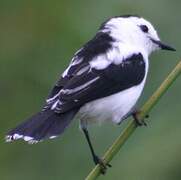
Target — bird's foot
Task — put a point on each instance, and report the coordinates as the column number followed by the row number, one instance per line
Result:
column 103, row 165
column 137, row 120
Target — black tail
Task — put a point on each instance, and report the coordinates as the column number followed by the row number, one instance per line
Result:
column 43, row 125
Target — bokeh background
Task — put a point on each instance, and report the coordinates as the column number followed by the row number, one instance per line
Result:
column 37, row 40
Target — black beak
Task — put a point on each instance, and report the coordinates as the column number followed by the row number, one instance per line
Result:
column 163, row 46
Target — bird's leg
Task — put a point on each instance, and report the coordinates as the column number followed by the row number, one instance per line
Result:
column 96, row 159
column 137, row 120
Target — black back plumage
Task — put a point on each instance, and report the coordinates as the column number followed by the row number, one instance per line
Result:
column 98, row 45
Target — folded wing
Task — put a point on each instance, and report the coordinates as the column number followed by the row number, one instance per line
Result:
column 88, row 84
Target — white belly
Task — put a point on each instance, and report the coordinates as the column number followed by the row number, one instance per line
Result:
column 112, row 108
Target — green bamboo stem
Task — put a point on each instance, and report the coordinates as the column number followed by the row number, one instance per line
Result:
column 128, row 131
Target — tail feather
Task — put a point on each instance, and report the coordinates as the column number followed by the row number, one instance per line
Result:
column 43, row 125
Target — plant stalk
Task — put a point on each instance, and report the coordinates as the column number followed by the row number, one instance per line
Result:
column 128, row 131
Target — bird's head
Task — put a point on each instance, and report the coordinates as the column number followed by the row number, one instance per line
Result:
column 134, row 31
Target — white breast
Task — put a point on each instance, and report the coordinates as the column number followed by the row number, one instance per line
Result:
column 112, row 108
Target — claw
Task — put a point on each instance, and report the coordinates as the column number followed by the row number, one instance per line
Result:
column 137, row 120
column 103, row 165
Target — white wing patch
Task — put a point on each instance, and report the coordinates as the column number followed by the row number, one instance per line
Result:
column 115, row 55
column 70, row 91
column 50, row 100
column 75, row 61
column 54, row 105
column 82, row 70
column 56, row 102
column 100, row 62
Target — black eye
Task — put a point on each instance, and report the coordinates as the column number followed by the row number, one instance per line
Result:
column 144, row 28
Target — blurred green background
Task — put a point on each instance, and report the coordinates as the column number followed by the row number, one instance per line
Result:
column 37, row 40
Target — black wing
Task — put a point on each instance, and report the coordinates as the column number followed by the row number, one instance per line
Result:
column 88, row 84
column 100, row 44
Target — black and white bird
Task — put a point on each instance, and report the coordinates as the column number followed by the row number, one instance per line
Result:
column 103, row 82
